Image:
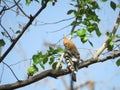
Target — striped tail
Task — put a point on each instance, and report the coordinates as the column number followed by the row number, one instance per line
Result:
column 71, row 65
column 73, row 75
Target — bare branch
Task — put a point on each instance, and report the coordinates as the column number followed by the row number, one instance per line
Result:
column 59, row 29
column 57, row 21
column 3, row 9
column 8, row 8
column 11, row 70
column 2, row 73
column 21, row 9
column 55, row 73
column 6, row 32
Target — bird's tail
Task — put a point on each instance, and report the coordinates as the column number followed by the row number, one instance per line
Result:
column 73, row 76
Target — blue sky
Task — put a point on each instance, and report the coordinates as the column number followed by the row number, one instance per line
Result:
column 105, row 75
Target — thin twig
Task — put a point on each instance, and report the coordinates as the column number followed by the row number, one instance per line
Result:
column 20, row 62
column 8, row 8
column 57, row 21
column 11, row 70
column 6, row 32
column 2, row 73
column 21, row 9
column 24, row 29
column 59, row 29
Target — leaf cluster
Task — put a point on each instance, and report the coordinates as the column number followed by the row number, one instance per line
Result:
column 41, row 59
column 87, row 17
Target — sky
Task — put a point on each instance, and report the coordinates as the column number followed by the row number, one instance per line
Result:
column 105, row 75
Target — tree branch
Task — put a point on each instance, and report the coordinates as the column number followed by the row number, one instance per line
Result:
column 104, row 46
column 24, row 29
column 11, row 70
column 55, row 73
column 21, row 9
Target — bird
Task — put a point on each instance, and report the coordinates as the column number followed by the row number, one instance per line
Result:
column 72, row 56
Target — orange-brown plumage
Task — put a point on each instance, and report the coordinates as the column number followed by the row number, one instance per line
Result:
column 69, row 45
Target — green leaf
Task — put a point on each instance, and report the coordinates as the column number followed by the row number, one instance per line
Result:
column 59, row 49
column 95, row 5
column 3, row 33
column 51, row 60
column 113, row 5
column 2, row 42
column 18, row 32
column 70, row 11
column 42, row 65
column 54, row 65
column 44, row 59
column 90, row 28
column 98, row 32
column 28, row 2
column 51, row 49
column 36, row 59
column 84, row 39
column 111, row 45
column 81, row 33
column 32, row 70
column 118, row 62
column 90, row 43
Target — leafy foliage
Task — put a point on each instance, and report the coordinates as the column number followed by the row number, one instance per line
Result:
column 32, row 70
column 111, row 41
column 87, row 17
column 41, row 59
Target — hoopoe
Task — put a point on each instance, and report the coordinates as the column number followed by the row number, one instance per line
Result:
column 72, row 56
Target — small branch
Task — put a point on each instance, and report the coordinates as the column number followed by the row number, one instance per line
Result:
column 57, row 21
column 2, row 71
column 59, row 62
column 21, row 9
column 55, row 73
column 59, row 29
column 8, row 8
column 24, row 29
column 6, row 32
column 3, row 9
column 11, row 70
column 104, row 46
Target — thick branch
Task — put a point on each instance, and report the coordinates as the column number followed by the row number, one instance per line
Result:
column 55, row 73
column 24, row 29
